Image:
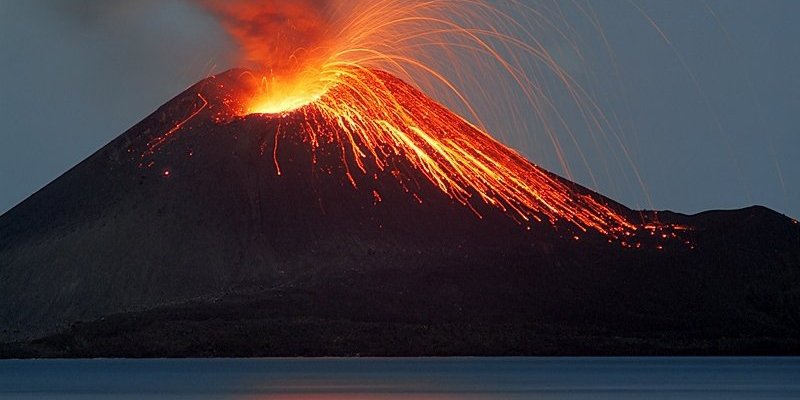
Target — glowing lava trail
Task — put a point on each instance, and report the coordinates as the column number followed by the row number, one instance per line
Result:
column 374, row 118
column 335, row 72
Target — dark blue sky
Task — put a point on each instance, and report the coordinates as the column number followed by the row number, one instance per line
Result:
column 709, row 121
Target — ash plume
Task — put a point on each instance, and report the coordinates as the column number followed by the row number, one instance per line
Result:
column 273, row 31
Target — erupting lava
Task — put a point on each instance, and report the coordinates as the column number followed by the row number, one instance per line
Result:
column 340, row 81
column 374, row 117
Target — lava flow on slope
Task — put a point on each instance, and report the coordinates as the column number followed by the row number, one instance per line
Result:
column 327, row 199
column 336, row 74
column 378, row 124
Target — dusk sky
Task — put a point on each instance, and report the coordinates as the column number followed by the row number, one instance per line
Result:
column 709, row 115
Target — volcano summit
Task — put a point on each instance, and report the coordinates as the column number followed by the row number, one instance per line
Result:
column 370, row 220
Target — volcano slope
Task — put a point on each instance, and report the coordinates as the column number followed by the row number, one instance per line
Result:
column 180, row 238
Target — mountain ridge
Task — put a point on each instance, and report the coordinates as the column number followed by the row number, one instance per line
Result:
column 210, row 222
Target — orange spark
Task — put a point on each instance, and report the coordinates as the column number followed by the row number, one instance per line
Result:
column 335, row 72
column 374, row 117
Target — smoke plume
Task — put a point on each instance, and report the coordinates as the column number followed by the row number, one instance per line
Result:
column 274, row 35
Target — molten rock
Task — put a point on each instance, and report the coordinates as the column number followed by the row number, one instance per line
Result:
column 374, row 221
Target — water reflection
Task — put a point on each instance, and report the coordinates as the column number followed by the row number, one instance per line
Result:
column 359, row 396
column 410, row 378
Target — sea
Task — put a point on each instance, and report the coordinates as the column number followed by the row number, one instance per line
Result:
column 405, row 378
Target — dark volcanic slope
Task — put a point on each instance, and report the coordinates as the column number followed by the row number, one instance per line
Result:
column 207, row 251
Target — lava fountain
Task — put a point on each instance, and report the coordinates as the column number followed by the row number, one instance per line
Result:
column 348, row 73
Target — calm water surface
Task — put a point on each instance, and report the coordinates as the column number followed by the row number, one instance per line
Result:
column 408, row 378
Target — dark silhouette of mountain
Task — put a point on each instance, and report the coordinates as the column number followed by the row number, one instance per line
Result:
column 178, row 238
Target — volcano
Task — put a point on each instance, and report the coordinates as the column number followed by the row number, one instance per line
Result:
column 208, row 230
